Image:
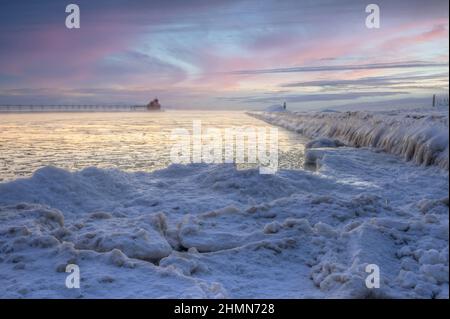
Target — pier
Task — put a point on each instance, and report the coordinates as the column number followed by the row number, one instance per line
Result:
column 70, row 108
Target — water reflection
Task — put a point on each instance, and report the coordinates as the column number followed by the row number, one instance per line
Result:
column 128, row 141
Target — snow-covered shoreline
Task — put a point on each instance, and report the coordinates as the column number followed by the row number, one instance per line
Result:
column 213, row 231
column 419, row 135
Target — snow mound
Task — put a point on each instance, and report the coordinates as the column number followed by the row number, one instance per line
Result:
column 212, row 231
column 419, row 136
column 84, row 190
column 140, row 238
column 36, row 248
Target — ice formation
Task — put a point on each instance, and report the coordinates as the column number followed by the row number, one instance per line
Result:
column 212, row 231
column 420, row 136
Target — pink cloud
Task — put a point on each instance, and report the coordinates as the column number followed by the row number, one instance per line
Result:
column 438, row 32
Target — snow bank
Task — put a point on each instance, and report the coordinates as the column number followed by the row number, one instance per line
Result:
column 212, row 231
column 420, row 136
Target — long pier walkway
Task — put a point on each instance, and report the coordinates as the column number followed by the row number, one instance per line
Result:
column 70, row 108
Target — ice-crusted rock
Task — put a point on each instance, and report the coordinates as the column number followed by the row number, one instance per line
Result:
column 313, row 157
column 324, row 142
column 183, row 264
column 140, row 238
column 272, row 228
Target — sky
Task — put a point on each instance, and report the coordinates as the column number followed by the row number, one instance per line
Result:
column 225, row 54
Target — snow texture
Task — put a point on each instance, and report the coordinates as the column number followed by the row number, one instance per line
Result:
column 212, row 231
column 203, row 231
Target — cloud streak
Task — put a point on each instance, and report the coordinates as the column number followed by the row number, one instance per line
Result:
column 190, row 52
column 334, row 68
column 376, row 81
column 297, row 98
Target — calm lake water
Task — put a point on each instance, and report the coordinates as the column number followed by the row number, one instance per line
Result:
column 131, row 141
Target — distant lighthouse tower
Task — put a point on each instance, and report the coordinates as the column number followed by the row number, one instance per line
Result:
column 154, row 105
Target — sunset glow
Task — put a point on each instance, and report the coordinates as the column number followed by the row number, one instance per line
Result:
column 223, row 54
